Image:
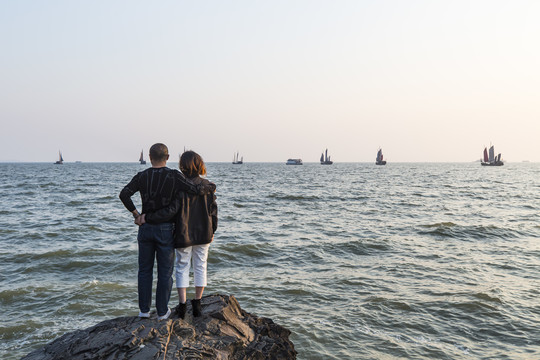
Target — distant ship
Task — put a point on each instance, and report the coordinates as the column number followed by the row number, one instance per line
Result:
column 379, row 160
column 325, row 159
column 294, row 162
column 490, row 159
column 141, row 159
column 60, row 158
column 236, row 161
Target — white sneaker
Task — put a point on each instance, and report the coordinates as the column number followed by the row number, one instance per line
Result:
column 166, row 316
column 144, row 315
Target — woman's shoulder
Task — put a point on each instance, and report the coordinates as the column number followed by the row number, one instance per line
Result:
column 207, row 184
column 203, row 180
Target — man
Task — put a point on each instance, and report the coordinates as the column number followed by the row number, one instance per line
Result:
column 157, row 186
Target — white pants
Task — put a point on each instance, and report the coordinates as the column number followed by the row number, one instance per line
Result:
column 198, row 254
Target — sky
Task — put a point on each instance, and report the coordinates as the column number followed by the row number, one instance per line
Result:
column 426, row 80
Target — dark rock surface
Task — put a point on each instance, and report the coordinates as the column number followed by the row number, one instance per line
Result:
column 224, row 331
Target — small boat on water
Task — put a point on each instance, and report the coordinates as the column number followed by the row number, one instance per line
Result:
column 294, row 162
column 325, row 159
column 379, row 160
column 141, row 159
column 236, row 161
column 490, row 159
column 60, row 160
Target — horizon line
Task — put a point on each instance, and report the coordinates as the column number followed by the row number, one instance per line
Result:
column 253, row 162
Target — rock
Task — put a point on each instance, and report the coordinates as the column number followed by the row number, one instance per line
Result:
column 224, row 331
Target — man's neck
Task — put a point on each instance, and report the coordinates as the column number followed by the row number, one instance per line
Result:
column 159, row 164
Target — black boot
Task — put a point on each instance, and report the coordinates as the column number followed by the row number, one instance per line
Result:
column 196, row 305
column 180, row 310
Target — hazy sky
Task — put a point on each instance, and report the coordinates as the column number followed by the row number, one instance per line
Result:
column 425, row 80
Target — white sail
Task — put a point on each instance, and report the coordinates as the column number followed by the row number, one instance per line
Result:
column 492, row 154
column 60, row 158
column 237, row 159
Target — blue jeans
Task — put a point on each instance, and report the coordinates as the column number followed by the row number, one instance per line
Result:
column 155, row 241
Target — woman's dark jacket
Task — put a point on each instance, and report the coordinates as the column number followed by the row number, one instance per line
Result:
column 195, row 216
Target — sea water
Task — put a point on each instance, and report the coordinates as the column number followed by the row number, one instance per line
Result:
column 407, row 260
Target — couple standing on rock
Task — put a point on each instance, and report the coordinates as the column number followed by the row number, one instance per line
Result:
column 179, row 211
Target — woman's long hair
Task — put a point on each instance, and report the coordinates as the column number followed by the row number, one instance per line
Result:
column 191, row 164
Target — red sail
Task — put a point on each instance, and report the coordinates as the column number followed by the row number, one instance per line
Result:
column 485, row 155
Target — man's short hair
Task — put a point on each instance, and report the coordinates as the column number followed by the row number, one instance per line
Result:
column 159, row 152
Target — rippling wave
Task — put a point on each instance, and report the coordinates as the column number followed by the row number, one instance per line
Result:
column 423, row 261
column 471, row 231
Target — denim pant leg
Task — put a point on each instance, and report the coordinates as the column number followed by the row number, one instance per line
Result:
column 165, row 262
column 147, row 251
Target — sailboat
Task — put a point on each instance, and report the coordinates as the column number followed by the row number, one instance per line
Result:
column 490, row 159
column 141, row 159
column 60, row 158
column 325, row 159
column 236, row 161
column 379, row 160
